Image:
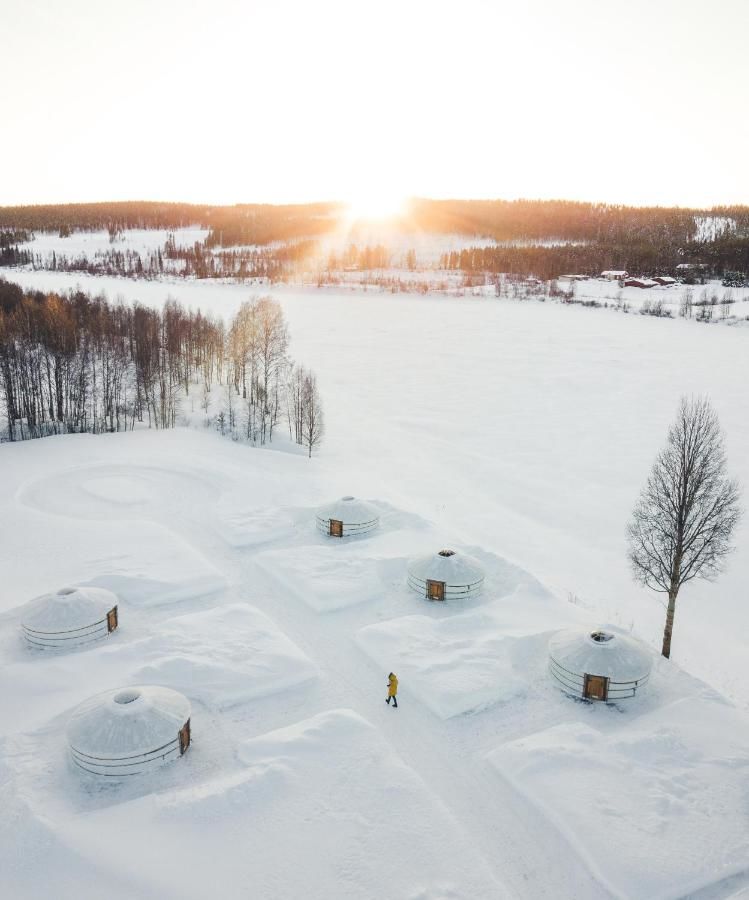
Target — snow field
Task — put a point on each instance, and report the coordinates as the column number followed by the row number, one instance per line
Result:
column 143, row 240
column 528, row 435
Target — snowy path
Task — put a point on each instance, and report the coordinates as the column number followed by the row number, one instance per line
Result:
column 448, row 756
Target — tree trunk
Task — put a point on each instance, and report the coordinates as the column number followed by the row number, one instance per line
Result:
column 667, row 631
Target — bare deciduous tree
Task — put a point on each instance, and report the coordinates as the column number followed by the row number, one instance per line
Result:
column 312, row 416
column 682, row 525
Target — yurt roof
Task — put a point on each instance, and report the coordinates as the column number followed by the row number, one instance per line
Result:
column 449, row 566
column 349, row 510
column 128, row 721
column 68, row 609
column 601, row 651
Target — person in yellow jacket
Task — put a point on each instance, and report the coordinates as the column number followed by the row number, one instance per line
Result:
column 392, row 690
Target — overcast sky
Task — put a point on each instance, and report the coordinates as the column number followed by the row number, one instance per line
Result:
column 635, row 101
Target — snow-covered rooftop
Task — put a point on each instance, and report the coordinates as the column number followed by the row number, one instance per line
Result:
column 127, row 731
column 69, row 617
column 460, row 574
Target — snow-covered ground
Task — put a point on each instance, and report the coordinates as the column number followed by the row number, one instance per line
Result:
column 670, row 296
column 520, row 432
column 142, row 240
column 300, row 781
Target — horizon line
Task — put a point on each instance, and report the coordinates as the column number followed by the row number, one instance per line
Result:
column 345, row 203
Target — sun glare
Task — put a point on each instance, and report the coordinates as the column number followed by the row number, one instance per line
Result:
column 376, row 205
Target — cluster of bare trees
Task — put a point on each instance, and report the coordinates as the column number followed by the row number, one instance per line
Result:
column 275, row 263
column 77, row 363
column 305, row 414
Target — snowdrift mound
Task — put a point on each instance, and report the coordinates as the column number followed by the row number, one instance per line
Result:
column 639, row 802
column 223, row 656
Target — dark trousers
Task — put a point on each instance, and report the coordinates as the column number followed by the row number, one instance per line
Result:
column 394, row 699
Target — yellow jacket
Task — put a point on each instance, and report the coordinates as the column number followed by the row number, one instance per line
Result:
column 392, row 686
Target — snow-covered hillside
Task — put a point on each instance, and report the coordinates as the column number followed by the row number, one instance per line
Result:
column 519, row 432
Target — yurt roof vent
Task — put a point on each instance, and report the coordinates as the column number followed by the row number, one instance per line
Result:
column 127, row 696
column 601, row 637
column 447, row 553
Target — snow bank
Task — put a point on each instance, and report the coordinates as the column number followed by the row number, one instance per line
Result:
column 223, row 656
column 657, row 807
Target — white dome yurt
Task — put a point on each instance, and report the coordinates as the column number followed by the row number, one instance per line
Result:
column 70, row 617
column 447, row 575
column 347, row 517
column 602, row 664
column 129, row 730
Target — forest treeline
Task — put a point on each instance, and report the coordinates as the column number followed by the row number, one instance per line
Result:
column 246, row 223
column 501, row 220
column 77, row 363
column 726, row 254
column 512, row 220
column 541, row 238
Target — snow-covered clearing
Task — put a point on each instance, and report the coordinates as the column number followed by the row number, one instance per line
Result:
column 141, row 240
column 519, row 432
column 525, row 428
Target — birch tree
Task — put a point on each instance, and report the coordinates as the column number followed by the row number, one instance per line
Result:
column 313, row 426
column 683, row 522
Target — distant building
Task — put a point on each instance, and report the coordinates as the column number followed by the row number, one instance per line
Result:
column 575, row 277
column 614, row 274
column 691, row 267
column 640, row 282
column 664, row 280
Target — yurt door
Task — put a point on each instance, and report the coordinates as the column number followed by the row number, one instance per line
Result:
column 112, row 619
column 596, row 687
column 435, row 590
column 336, row 528
column 184, row 737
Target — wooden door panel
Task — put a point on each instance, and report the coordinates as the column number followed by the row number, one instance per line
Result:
column 596, row 687
column 435, row 590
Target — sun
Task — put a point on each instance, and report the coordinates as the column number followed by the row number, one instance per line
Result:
column 376, row 204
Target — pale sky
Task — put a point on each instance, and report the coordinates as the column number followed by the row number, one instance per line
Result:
column 632, row 101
